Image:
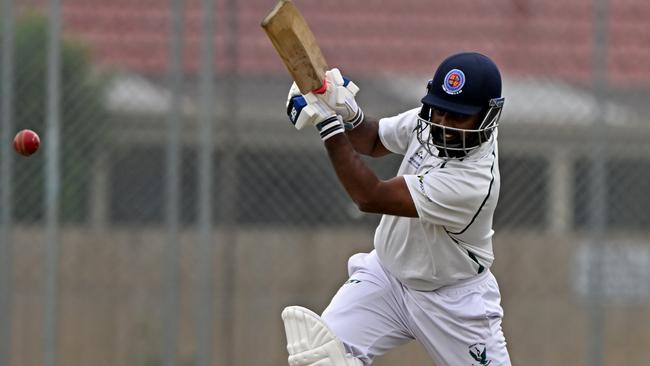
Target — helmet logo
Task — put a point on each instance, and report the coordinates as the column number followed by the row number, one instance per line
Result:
column 454, row 82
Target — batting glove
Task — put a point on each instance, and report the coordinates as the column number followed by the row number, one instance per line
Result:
column 307, row 109
column 340, row 95
column 293, row 92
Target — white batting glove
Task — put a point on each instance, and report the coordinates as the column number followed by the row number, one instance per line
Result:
column 340, row 95
column 293, row 91
column 304, row 110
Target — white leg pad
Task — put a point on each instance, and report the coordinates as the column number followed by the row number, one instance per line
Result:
column 311, row 343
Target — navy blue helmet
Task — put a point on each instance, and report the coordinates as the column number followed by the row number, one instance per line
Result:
column 465, row 84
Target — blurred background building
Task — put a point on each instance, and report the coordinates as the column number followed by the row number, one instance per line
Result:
column 172, row 211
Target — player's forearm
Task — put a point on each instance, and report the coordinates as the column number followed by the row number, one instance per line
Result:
column 358, row 180
column 365, row 137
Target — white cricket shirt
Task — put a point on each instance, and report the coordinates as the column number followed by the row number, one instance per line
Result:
column 451, row 240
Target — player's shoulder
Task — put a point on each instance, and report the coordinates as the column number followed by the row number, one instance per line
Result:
column 406, row 116
column 459, row 172
column 475, row 169
column 467, row 176
column 411, row 114
column 484, row 157
column 396, row 132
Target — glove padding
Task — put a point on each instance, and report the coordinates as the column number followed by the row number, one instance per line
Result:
column 340, row 95
column 307, row 109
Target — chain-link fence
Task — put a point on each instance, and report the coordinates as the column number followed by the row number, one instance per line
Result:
column 172, row 211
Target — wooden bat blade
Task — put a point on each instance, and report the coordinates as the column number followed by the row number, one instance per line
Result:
column 296, row 45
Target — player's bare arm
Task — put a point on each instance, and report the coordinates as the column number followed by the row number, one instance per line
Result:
column 370, row 193
column 365, row 138
column 335, row 112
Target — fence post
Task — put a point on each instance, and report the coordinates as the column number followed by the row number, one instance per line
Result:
column 6, row 176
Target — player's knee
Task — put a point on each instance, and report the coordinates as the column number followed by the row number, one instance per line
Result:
column 310, row 342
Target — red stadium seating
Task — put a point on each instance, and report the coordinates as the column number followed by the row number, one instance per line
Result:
column 541, row 39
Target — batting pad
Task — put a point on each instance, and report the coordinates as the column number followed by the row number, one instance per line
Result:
column 311, row 343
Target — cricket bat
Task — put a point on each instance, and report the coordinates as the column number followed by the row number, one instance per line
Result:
column 296, row 45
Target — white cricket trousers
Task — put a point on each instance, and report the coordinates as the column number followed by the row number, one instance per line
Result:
column 458, row 325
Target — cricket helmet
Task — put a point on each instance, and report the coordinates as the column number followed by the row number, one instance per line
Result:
column 464, row 84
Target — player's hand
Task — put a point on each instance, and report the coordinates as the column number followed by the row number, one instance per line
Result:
column 340, row 95
column 304, row 110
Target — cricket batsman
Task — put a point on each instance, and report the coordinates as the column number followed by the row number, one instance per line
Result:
column 428, row 277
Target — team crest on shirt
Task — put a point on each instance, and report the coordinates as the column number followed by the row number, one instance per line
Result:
column 478, row 351
column 454, row 82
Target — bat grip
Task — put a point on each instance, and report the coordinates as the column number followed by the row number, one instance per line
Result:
column 322, row 89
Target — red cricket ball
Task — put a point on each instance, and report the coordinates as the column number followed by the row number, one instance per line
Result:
column 26, row 142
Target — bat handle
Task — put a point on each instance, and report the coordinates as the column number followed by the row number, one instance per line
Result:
column 322, row 89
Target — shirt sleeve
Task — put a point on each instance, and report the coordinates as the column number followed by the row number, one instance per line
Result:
column 442, row 199
column 396, row 132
